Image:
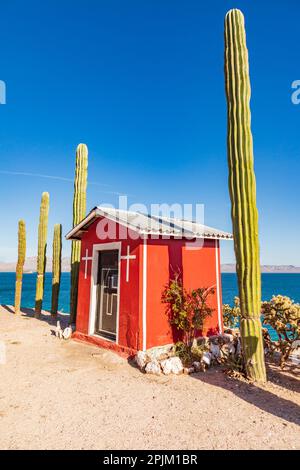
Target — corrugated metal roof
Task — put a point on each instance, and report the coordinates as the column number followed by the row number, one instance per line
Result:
column 146, row 224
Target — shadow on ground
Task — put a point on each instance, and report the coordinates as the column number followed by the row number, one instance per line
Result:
column 45, row 316
column 256, row 395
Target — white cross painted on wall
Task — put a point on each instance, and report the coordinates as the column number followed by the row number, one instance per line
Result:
column 128, row 257
column 86, row 258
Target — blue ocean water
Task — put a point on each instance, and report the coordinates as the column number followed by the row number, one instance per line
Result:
column 285, row 284
column 272, row 284
column 7, row 290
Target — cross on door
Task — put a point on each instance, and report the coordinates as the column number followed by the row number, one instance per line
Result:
column 128, row 257
column 86, row 258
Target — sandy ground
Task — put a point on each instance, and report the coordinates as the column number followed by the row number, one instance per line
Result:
column 57, row 394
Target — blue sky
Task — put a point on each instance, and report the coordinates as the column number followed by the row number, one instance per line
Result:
column 142, row 84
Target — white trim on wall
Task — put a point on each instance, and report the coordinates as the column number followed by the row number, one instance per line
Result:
column 218, row 286
column 144, row 294
column 93, row 295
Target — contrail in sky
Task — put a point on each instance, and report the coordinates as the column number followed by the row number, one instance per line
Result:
column 59, row 178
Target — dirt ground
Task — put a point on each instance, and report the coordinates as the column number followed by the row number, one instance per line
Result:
column 57, row 394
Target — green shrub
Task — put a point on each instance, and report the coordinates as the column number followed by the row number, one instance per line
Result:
column 187, row 310
column 189, row 354
column 231, row 315
column 283, row 315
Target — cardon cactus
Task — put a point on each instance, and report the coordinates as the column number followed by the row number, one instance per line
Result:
column 79, row 212
column 242, row 188
column 56, row 268
column 42, row 248
column 20, row 264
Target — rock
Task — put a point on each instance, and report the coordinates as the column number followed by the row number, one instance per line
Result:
column 296, row 344
column 141, row 358
column 197, row 366
column 201, row 341
column 58, row 330
column 153, row 367
column 215, row 350
column 238, row 349
column 67, row 333
column 188, row 370
column 227, row 350
column 227, row 337
column 214, row 339
column 206, row 358
column 160, row 353
column 173, row 365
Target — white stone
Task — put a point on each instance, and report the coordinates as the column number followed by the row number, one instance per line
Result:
column 159, row 353
column 67, row 333
column 296, row 344
column 197, row 366
column 141, row 359
column 215, row 350
column 227, row 350
column 206, row 358
column 173, row 365
column 153, row 367
column 58, row 331
column 239, row 348
column 228, row 338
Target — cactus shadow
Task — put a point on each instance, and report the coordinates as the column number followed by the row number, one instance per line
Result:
column 45, row 316
column 256, row 395
column 288, row 378
column 8, row 308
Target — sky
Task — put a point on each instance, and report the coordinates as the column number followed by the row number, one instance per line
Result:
column 142, row 84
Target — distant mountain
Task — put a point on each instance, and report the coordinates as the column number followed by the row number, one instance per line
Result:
column 268, row 268
column 30, row 265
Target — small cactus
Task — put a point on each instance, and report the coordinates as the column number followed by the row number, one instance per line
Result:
column 79, row 212
column 56, row 268
column 242, row 188
column 20, row 264
column 42, row 248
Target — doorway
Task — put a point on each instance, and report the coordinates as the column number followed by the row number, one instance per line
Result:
column 107, row 294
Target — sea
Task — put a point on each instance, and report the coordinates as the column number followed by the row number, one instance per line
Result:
column 272, row 284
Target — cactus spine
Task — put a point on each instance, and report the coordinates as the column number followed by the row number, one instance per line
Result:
column 56, row 268
column 42, row 248
column 79, row 212
column 242, row 188
column 20, row 264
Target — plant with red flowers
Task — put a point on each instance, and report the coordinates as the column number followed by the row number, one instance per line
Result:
column 187, row 310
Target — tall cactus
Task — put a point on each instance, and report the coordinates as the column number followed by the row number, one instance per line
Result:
column 242, row 188
column 20, row 264
column 42, row 248
column 79, row 212
column 56, row 268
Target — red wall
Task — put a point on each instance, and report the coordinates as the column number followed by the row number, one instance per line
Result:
column 198, row 269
